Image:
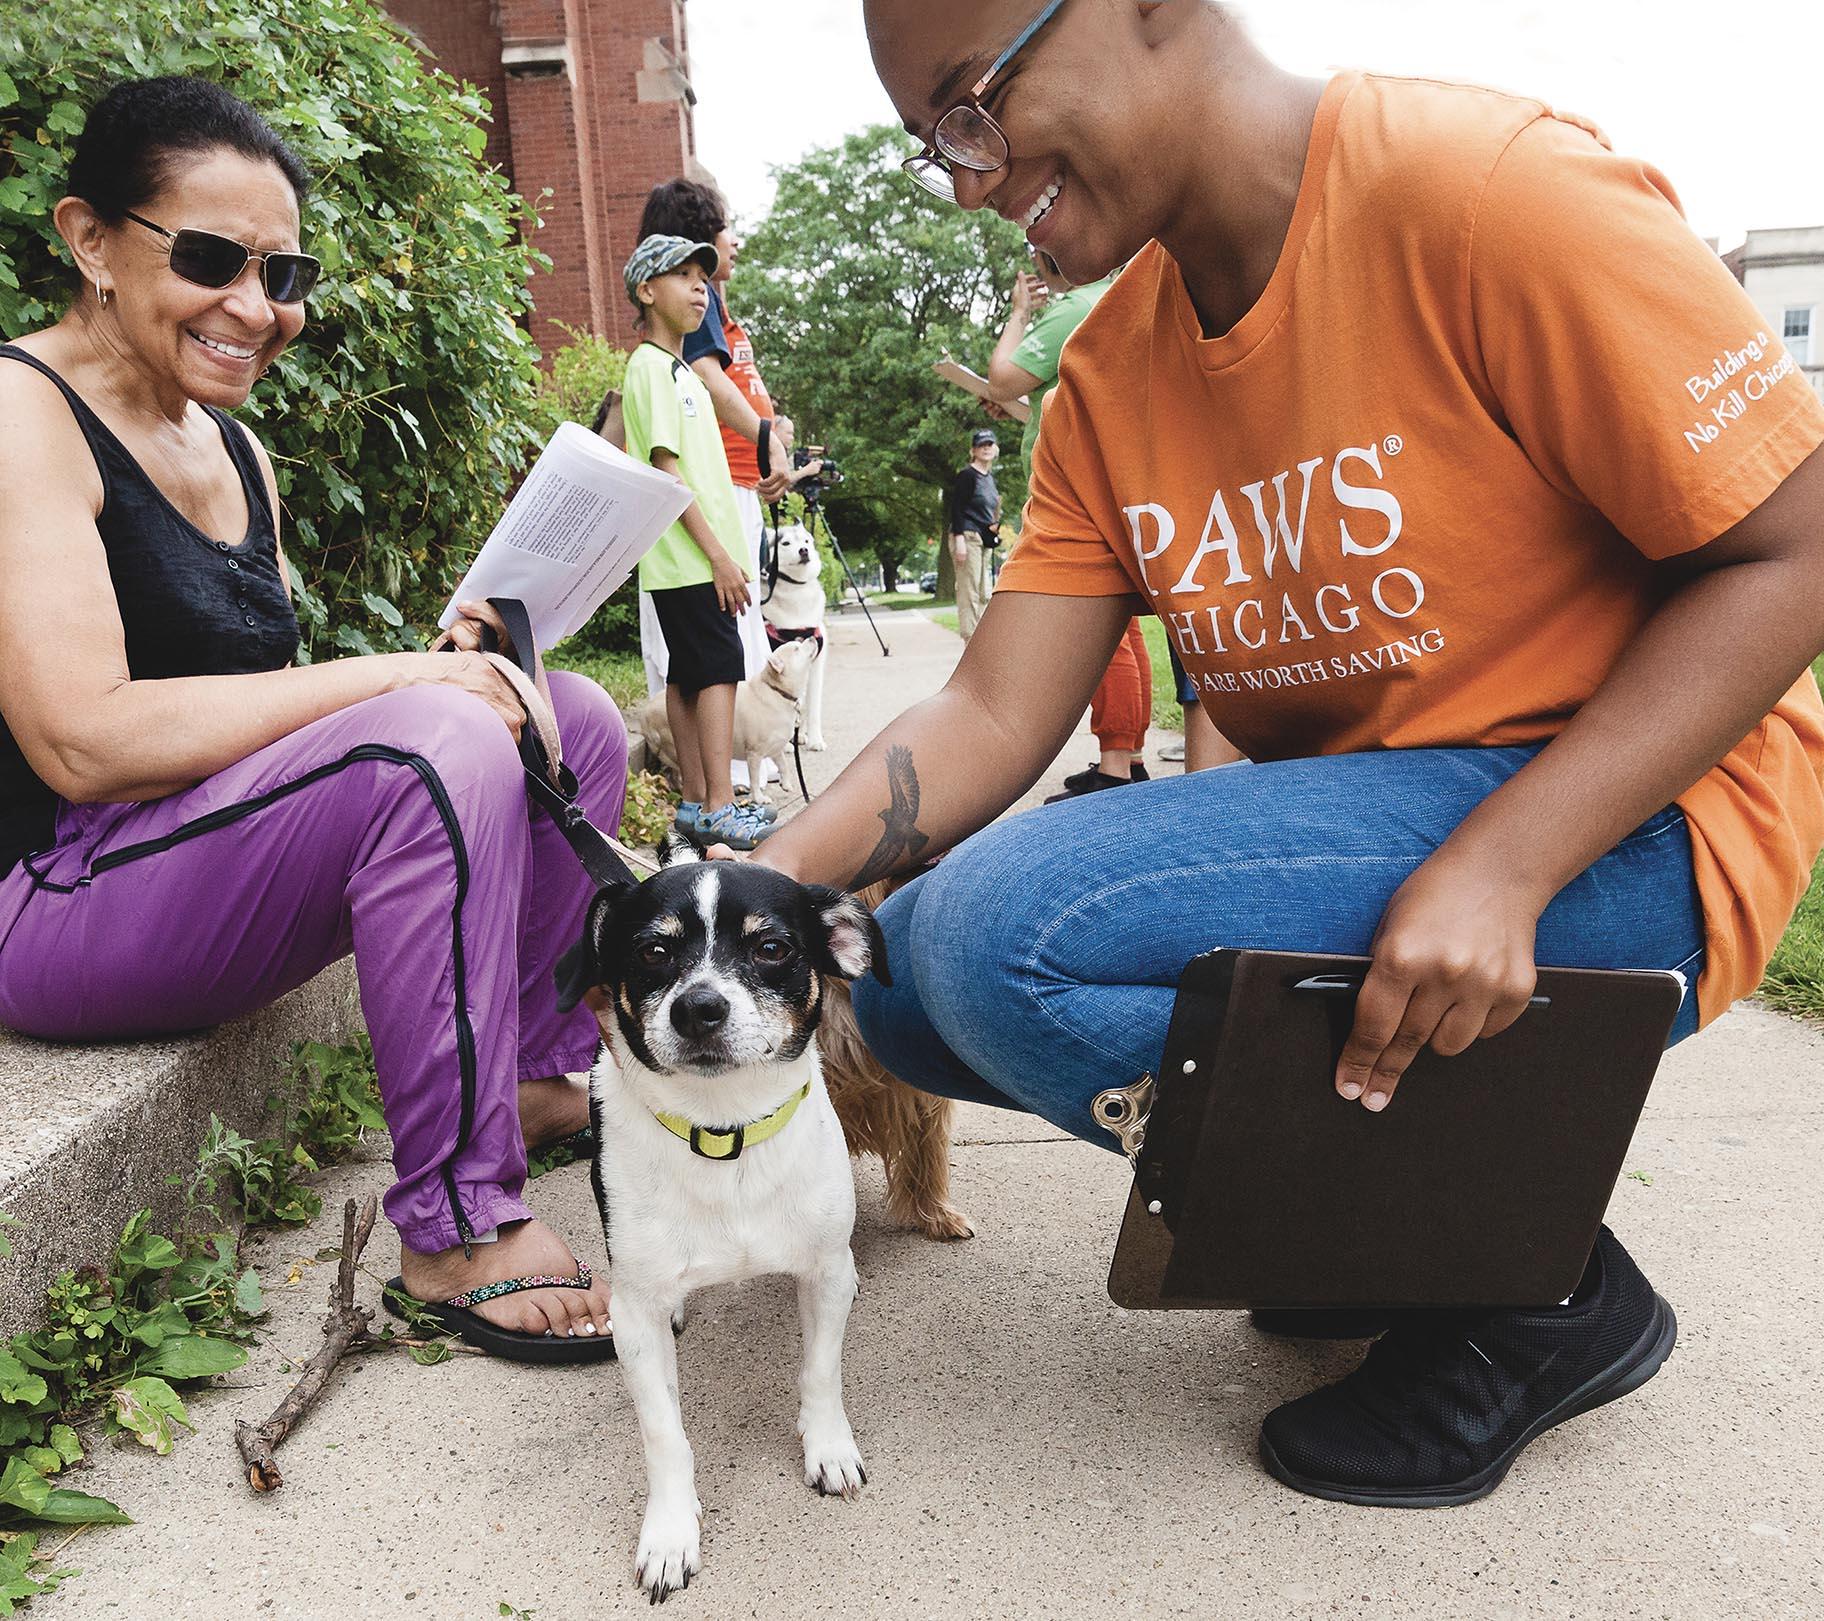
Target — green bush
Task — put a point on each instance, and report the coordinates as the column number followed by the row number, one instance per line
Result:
column 581, row 373
column 400, row 419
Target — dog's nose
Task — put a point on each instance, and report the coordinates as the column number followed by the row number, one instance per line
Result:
column 700, row 1011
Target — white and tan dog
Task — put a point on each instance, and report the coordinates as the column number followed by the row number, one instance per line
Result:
column 794, row 610
column 718, row 1154
column 767, row 711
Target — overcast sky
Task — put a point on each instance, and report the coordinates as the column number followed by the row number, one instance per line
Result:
column 1723, row 95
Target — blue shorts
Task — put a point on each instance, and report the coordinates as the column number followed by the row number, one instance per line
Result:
column 1187, row 688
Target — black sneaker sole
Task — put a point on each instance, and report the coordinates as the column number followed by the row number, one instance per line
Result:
column 1628, row 1373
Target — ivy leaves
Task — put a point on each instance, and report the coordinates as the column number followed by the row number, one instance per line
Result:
column 119, row 1340
column 400, row 420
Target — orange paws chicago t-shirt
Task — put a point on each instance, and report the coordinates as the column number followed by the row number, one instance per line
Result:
column 1416, row 497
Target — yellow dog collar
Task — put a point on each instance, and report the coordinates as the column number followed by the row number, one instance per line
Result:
column 728, row 1144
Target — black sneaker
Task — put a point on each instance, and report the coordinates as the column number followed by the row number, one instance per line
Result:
column 1342, row 1323
column 1094, row 781
column 1445, row 1401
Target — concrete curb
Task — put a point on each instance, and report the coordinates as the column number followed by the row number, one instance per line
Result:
column 90, row 1134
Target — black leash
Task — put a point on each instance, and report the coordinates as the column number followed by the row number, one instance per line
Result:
column 557, row 798
column 769, row 538
column 798, row 760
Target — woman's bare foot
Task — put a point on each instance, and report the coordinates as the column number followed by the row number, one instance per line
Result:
column 551, row 1108
column 524, row 1249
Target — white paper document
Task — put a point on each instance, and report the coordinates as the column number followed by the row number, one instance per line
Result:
column 955, row 372
column 585, row 516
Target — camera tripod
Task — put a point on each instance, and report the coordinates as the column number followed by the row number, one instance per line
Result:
column 818, row 523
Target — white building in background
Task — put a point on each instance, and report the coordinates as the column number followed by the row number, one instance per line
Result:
column 1783, row 272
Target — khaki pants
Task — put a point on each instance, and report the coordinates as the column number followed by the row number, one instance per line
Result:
column 974, row 584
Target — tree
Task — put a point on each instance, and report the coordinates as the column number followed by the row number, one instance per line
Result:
column 855, row 285
column 400, row 419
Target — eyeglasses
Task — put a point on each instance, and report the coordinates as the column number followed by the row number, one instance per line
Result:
column 967, row 136
column 215, row 261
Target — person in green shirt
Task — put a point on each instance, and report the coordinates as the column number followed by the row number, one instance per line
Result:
column 1046, row 310
column 698, row 588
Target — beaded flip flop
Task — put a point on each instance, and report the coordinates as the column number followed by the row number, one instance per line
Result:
column 457, row 1316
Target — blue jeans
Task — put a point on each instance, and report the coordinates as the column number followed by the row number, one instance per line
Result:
column 1038, row 963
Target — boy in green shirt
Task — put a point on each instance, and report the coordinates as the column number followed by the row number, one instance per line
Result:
column 698, row 588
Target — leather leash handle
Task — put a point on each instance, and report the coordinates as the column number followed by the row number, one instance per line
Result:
column 769, row 556
column 551, row 784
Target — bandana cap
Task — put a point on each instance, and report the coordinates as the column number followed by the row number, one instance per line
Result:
column 659, row 255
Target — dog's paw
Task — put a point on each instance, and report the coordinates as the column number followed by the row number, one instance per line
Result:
column 945, row 1223
column 815, row 743
column 832, row 1461
column 668, row 1554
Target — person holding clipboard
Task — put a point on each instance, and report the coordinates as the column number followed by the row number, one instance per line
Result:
column 1487, row 516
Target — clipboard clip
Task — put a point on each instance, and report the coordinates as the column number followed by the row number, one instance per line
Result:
column 1123, row 1110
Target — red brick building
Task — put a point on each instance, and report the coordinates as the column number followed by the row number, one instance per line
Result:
column 591, row 101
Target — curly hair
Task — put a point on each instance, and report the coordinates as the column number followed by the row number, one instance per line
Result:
column 685, row 208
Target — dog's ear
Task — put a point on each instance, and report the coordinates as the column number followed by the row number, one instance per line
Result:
column 677, row 851
column 583, row 966
column 847, row 941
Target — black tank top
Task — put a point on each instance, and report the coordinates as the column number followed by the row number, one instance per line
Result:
column 189, row 605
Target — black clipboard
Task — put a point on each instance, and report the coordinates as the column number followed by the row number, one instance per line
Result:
column 1482, row 1184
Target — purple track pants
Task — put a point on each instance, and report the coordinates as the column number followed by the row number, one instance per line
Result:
column 398, row 828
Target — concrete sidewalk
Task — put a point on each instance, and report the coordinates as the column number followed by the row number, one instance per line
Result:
column 1032, row 1450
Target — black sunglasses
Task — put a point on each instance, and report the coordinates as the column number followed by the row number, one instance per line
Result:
column 215, row 261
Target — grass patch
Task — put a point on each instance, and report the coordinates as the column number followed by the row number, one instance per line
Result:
column 945, row 617
column 651, row 807
column 1167, row 711
column 900, row 599
column 1795, row 977
column 621, row 675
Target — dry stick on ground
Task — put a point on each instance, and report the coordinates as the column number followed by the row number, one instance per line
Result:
column 346, row 1326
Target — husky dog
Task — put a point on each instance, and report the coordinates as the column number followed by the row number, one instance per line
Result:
column 794, row 612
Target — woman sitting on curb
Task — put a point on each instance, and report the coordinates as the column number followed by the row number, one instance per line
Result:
column 190, row 825
column 1412, row 417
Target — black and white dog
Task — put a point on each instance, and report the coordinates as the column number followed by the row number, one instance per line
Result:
column 718, row 1156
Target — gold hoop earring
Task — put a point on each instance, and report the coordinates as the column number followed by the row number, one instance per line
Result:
column 101, row 293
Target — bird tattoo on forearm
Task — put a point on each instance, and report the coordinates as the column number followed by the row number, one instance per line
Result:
column 902, row 841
